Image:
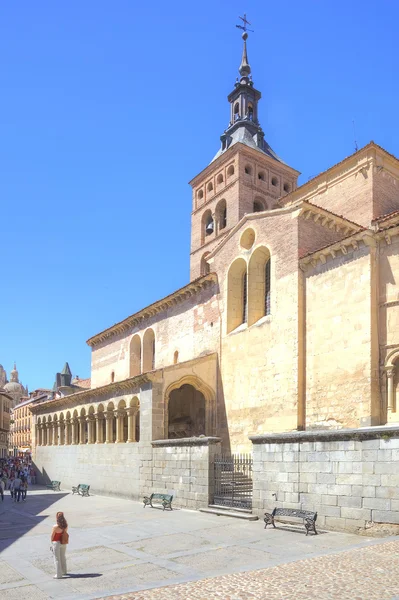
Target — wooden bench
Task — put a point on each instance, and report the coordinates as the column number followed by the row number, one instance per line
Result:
column 309, row 517
column 164, row 499
column 54, row 485
column 82, row 489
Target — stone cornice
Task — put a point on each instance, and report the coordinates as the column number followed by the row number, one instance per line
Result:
column 191, row 289
column 349, row 244
column 366, row 433
column 305, row 210
column 127, row 385
column 328, row 219
column 191, row 441
column 229, row 155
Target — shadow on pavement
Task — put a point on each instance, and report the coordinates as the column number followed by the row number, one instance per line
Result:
column 18, row 518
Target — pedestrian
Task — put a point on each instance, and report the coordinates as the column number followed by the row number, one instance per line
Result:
column 16, row 486
column 59, row 541
column 2, row 489
column 24, row 489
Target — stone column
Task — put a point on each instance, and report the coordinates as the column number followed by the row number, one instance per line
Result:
column 61, row 430
column 67, row 434
column 55, row 433
column 49, row 434
column 74, row 431
column 40, row 435
column 109, row 416
column 119, row 414
column 99, row 417
column 90, row 426
column 82, row 422
column 390, row 371
column 131, row 424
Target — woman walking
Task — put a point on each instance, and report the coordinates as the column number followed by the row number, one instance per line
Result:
column 59, row 540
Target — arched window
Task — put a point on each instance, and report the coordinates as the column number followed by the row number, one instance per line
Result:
column 221, row 215
column 176, row 357
column 207, row 225
column 219, row 178
column 210, row 186
column 248, row 169
column 261, row 176
column 230, row 171
column 274, row 181
column 259, row 206
column 112, row 376
column 250, row 112
column 236, row 111
column 205, row 266
column 135, row 356
column 200, row 194
column 148, row 351
column 259, row 285
column 236, row 294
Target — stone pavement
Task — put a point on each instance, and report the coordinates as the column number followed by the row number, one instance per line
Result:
column 370, row 573
column 117, row 547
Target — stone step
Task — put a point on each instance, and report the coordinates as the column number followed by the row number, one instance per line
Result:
column 224, row 507
column 229, row 513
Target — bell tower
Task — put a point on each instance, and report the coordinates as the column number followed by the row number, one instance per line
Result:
column 244, row 176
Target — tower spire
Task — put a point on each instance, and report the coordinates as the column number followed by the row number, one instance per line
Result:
column 245, row 68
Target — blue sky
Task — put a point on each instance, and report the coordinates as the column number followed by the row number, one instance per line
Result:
column 107, row 110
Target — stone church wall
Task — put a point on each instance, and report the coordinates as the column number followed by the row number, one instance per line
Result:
column 190, row 328
column 349, row 477
column 341, row 361
column 259, row 364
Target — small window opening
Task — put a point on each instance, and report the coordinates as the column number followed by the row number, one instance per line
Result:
column 287, row 187
column 210, row 186
column 223, row 219
column 219, row 178
column 236, row 111
column 176, row 358
column 209, row 226
column 261, row 176
column 250, row 112
column 112, row 376
column 267, row 288
column 244, row 299
column 230, row 170
column 258, row 206
column 248, row 170
column 200, row 194
column 274, row 181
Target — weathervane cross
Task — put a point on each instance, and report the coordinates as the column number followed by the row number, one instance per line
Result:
column 246, row 22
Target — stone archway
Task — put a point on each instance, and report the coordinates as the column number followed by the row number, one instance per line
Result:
column 186, row 412
column 190, row 409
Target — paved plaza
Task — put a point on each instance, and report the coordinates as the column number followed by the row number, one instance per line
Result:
column 118, row 549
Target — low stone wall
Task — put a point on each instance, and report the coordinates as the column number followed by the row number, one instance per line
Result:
column 184, row 468
column 112, row 469
column 350, row 477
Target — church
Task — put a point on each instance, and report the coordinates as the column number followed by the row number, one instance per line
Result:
column 290, row 320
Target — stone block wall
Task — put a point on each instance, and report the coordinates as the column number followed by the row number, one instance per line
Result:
column 350, row 477
column 109, row 469
column 184, row 468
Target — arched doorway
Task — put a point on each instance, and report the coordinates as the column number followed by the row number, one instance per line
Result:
column 186, row 412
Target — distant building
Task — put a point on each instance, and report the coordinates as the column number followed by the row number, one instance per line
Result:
column 5, row 408
column 13, row 387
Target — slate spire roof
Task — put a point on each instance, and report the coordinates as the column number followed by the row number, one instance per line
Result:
column 244, row 126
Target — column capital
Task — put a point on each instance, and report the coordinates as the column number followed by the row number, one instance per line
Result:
column 82, row 419
column 109, row 415
column 99, row 416
column 390, row 370
column 132, row 411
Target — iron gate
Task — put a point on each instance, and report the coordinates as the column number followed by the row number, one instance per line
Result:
column 233, row 480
